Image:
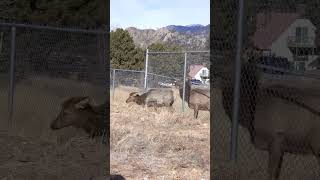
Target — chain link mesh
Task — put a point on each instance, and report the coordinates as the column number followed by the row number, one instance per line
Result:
column 49, row 66
column 62, row 64
column 168, row 66
column 278, row 89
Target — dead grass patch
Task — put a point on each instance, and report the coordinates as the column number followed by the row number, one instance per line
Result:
column 162, row 145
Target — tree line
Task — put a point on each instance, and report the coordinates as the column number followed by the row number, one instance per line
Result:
column 124, row 54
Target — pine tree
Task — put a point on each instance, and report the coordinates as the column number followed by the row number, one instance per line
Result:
column 123, row 53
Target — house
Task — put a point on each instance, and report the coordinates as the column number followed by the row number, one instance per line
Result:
column 197, row 71
column 288, row 35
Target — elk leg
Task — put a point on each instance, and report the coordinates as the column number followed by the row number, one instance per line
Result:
column 196, row 111
column 318, row 158
column 251, row 131
column 157, row 109
column 171, row 109
column 92, row 133
column 316, row 148
column 275, row 157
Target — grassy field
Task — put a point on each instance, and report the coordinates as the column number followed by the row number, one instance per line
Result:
column 144, row 143
column 163, row 145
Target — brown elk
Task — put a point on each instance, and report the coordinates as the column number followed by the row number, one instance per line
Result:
column 78, row 112
column 197, row 99
column 279, row 117
column 153, row 98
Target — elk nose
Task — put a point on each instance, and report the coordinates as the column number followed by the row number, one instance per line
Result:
column 53, row 126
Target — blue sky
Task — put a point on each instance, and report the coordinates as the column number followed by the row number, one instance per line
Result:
column 158, row 13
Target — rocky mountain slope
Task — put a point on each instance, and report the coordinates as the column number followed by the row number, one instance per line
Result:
column 192, row 37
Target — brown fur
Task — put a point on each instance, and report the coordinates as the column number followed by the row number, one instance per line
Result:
column 279, row 119
column 153, row 98
column 197, row 99
column 79, row 113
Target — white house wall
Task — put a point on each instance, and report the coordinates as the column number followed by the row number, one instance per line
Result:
column 197, row 76
column 280, row 46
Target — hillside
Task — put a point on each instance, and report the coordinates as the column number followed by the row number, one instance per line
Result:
column 192, row 37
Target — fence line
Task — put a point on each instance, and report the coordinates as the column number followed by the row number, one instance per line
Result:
column 40, row 27
column 242, row 132
column 181, row 52
column 114, row 72
column 12, row 73
column 236, row 93
column 69, row 32
column 147, row 72
column 167, row 52
column 182, row 74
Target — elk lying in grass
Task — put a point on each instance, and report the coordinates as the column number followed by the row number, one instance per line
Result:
column 79, row 113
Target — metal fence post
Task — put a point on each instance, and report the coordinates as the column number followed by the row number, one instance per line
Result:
column 113, row 76
column 184, row 81
column 1, row 41
column 236, row 93
column 12, row 75
column 146, row 70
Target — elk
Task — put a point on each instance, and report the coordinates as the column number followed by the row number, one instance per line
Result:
column 162, row 97
column 78, row 112
column 280, row 118
column 197, row 99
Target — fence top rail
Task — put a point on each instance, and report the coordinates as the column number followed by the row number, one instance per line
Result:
column 137, row 71
column 127, row 70
column 163, row 76
column 295, row 73
column 180, row 52
column 42, row 27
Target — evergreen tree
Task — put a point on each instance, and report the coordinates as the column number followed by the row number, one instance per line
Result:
column 77, row 13
column 123, row 53
column 166, row 64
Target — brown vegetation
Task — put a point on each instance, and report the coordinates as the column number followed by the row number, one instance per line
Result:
column 165, row 145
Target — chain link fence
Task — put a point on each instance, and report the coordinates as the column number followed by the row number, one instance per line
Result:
column 265, row 117
column 40, row 68
column 181, row 70
column 121, row 78
column 167, row 70
column 55, row 62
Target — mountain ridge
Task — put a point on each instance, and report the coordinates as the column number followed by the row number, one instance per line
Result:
column 190, row 37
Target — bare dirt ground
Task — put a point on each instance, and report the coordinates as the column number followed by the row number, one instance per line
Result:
column 164, row 145
column 31, row 151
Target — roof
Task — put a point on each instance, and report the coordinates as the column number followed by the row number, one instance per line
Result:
column 269, row 26
column 194, row 69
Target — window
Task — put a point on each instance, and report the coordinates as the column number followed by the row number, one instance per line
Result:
column 300, row 66
column 204, row 72
column 301, row 34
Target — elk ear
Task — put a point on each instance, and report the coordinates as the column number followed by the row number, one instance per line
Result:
column 83, row 103
column 134, row 94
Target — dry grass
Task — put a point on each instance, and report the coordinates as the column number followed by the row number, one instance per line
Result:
column 159, row 145
column 30, row 150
